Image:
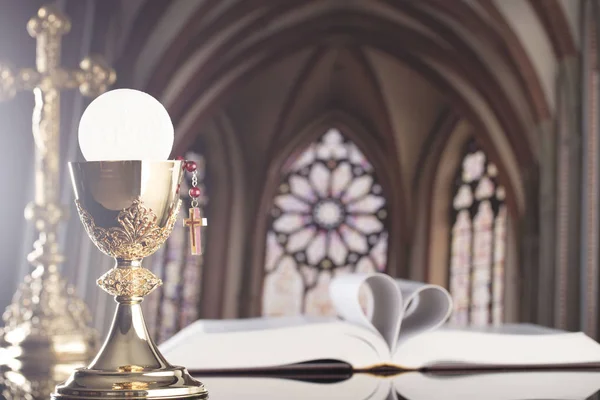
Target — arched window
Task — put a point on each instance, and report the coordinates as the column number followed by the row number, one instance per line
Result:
column 175, row 303
column 478, row 241
column 328, row 218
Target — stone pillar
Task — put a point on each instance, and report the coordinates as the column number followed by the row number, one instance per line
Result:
column 529, row 254
column 590, row 223
column 547, row 224
column 568, row 184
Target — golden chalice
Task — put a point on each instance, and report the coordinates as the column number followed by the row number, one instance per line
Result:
column 128, row 209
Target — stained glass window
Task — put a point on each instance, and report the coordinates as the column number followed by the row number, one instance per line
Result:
column 328, row 218
column 478, row 242
column 174, row 305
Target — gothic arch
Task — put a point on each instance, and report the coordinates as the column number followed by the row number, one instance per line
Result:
column 438, row 22
column 559, row 29
column 227, row 227
column 445, row 165
column 433, row 60
column 422, row 190
column 390, row 182
column 426, row 31
column 194, row 36
column 225, row 169
column 467, row 103
column 220, row 45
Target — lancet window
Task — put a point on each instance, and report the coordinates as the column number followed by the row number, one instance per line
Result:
column 478, row 241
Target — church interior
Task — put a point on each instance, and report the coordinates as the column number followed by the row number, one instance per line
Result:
column 449, row 142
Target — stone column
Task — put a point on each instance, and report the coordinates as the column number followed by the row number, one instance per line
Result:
column 568, row 183
column 547, row 224
column 590, row 223
column 529, row 254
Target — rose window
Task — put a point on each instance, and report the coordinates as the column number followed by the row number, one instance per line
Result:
column 328, row 217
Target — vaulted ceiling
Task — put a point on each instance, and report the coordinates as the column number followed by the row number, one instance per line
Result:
column 249, row 79
column 397, row 67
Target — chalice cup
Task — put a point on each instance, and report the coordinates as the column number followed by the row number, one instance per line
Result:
column 128, row 209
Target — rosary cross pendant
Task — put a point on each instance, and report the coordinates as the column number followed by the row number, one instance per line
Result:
column 195, row 222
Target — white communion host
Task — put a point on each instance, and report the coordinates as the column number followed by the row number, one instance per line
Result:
column 125, row 124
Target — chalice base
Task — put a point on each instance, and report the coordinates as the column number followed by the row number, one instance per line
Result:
column 130, row 366
column 170, row 383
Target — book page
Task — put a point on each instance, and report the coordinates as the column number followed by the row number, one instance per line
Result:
column 262, row 343
column 528, row 346
column 387, row 303
column 426, row 307
column 509, row 329
column 254, row 324
column 499, row 386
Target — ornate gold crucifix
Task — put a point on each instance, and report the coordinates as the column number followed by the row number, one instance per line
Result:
column 44, row 309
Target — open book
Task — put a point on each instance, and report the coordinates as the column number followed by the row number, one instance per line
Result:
column 402, row 329
column 559, row 385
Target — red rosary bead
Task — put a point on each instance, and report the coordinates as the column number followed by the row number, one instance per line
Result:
column 190, row 166
column 195, row 192
column 179, row 158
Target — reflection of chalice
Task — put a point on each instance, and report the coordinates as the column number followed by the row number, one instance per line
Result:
column 128, row 209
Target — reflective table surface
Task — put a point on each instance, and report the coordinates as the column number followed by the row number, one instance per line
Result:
column 498, row 385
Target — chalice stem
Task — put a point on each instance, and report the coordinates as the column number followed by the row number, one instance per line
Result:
column 128, row 338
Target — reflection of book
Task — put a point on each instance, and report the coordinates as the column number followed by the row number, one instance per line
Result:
column 415, row 386
column 400, row 330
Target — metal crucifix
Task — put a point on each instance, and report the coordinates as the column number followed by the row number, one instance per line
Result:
column 29, row 316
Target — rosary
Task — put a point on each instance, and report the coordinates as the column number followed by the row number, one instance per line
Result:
column 195, row 220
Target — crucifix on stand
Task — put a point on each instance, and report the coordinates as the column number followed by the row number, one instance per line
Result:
column 46, row 320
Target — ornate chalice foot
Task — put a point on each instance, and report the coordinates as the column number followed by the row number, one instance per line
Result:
column 128, row 209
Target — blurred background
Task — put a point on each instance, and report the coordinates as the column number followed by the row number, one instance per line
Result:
column 448, row 141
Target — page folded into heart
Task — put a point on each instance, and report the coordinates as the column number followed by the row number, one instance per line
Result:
column 426, row 306
column 416, row 307
column 387, row 308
